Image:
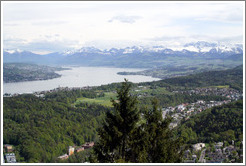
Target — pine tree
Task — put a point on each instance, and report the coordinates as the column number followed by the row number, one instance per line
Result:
column 116, row 137
column 123, row 139
column 161, row 146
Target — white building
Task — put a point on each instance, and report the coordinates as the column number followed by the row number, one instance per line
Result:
column 198, row 146
column 10, row 158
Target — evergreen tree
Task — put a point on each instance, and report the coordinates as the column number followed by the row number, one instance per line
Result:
column 161, row 146
column 123, row 138
column 116, row 137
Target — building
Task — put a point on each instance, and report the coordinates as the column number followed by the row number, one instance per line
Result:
column 10, row 158
column 194, row 157
column 63, row 157
column 70, row 150
column 173, row 125
column 164, row 114
column 8, row 148
column 79, row 149
column 88, row 145
column 200, row 102
column 181, row 108
column 216, row 157
column 218, row 145
column 198, row 146
column 187, row 153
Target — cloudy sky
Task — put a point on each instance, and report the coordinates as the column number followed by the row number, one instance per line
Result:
column 57, row 26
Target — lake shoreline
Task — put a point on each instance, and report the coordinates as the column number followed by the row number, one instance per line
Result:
column 76, row 77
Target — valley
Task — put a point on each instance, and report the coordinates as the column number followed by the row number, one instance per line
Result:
column 81, row 111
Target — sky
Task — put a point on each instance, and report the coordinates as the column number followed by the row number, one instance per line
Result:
column 44, row 27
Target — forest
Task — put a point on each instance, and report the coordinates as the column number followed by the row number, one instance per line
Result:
column 232, row 77
column 41, row 130
column 218, row 124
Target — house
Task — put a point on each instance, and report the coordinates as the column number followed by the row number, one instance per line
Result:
column 218, row 145
column 200, row 102
column 216, row 157
column 79, row 149
column 8, row 148
column 187, row 153
column 228, row 150
column 194, row 157
column 88, row 145
column 198, row 146
column 10, row 158
column 173, row 125
column 181, row 108
column 164, row 114
column 70, row 150
column 63, row 157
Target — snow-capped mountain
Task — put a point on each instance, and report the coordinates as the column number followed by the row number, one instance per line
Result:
column 114, row 56
column 198, row 48
column 13, row 51
column 206, row 47
column 82, row 50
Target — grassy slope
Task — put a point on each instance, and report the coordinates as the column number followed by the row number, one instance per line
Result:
column 105, row 101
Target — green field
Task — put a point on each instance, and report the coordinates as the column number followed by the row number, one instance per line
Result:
column 99, row 100
column 105, row 101
column 156, row 91
column 220, row 86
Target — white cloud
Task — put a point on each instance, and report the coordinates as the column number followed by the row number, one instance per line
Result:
column 125, row 19
column 75, row 24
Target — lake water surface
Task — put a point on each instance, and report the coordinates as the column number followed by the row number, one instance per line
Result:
column 77, row 77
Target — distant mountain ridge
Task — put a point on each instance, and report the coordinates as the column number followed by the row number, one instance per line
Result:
column 198, row 48
column 128, row 57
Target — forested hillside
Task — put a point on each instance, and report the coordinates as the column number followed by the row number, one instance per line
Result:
column 41, row 130
column 17, row 72
column 223, row 123
column 232, row 77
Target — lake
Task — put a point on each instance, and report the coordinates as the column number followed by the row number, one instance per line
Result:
column 77, row 77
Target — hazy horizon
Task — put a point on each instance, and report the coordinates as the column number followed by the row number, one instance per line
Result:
column 58, row 26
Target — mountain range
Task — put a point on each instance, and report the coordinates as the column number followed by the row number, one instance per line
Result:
column 135, row 56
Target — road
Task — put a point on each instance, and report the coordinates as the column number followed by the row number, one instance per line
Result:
column 201, row 159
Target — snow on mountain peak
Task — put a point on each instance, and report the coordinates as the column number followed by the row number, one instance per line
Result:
column 13, row 51
column 199, row 47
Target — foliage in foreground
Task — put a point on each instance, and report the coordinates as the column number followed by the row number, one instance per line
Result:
column 123, row 139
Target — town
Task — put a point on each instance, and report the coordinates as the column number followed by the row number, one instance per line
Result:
column 215, row 153
column 185, row 110
column 220, row 152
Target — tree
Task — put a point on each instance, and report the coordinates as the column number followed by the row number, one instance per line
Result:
column 116, row 135
column 128, row 137
column 162, row 147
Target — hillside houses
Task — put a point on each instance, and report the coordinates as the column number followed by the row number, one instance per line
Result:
column 198, row 146
column 8, row 148
column 229, row 93
column 9, row 154
column 10, row 158
column 216, row 153
column 76, row 149
column 185, row 110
